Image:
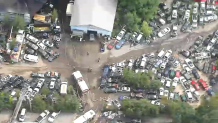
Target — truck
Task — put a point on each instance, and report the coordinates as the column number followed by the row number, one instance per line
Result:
column 80, row 81
column 86, row 117
column 63, row 89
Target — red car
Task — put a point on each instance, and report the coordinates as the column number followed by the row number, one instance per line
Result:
column 203, row 84
column 195, row 85
column 111, row 45
column 214, row 69
column 178, row 73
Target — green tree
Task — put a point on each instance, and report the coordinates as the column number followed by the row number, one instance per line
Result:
column 70, row 90
column 38, row 105
column 68, row 103
column 136, row 79
column 54, row 15
column 139, row 108
column 13, row 43
column 133, row 13
column 217, row 63
column 146, row 29
column 18, row 23
column 45, row 91
column 155, row 84
column 6, row 21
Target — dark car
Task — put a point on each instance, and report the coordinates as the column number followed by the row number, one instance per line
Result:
column 172, row 74
column 115, row 75
column 183, row 98
column 103, row 82
column 185, row 53
column 105, row 71
column 206, row 67
column 53, row 57
column 29, row 51
column 166, row 72
column 57, row 44
column 49, row 51
column 210, row 92
column 213, row 81
column 110, row 90
column 43, row 53
column 198, row 66
column 195, row 73
column 18, row 82
column 210, row 68
column 13, row 79
column 151, row 91
column 152, row 97
column 52, row 74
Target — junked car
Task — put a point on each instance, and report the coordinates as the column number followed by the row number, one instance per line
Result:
column 163, row 32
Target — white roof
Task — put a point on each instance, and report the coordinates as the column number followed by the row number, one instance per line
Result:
column 77, row 75
column 80, row 119
column 98, row 13
column 69, row 10
column 83, row 86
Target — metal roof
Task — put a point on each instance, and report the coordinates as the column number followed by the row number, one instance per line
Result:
column 98, row 13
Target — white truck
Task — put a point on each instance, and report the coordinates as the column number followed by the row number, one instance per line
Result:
column 80, row 81
column 86, row 117
column 63, row 89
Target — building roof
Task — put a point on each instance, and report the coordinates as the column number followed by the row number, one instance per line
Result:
column 98, row 13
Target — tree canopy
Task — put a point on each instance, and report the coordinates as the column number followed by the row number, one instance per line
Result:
column 134, row 13
column 140, row 80
column 18, row 22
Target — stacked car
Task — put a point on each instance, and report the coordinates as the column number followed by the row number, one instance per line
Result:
column 42, row 47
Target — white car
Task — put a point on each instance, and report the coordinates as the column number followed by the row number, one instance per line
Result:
column 166, row 93
column 130, row 64
column 117, row 103
column 189, row 95
column 174, row 14
column 163, row 32
column 41, row 45
column 168, row 84
column 22, row 115
column 30, row 58
column 124, row 89
column 187, row 15
column 182, row 79
column 52, row 83
column 176, row 64
column 189, row 63
column 121, row 64
column 168, row 54
column 194, row 24
column 162, row 21
column 194, row 18
column 209, row 46
column 53, row 116
column 210, row 18
column 195, row 10
column 155, row 102
column 47, row 43
column 121, row 34
column 175, row 82
column 162, row 80
column 171, row 97
column 163, row 65
column 161, row 91
column 42, row 116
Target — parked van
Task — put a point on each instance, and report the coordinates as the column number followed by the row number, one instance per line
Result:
column 32, row 39
column 63, row 89
column 22, row 115
column 31, row 58
column 139, row 37
column 161, row 54
column 80, row 81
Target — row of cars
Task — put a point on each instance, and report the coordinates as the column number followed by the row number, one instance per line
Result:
column 42, row 116
column 43, row 47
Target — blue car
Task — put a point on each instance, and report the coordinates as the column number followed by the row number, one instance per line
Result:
column 105, row 71
column 120, row 44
